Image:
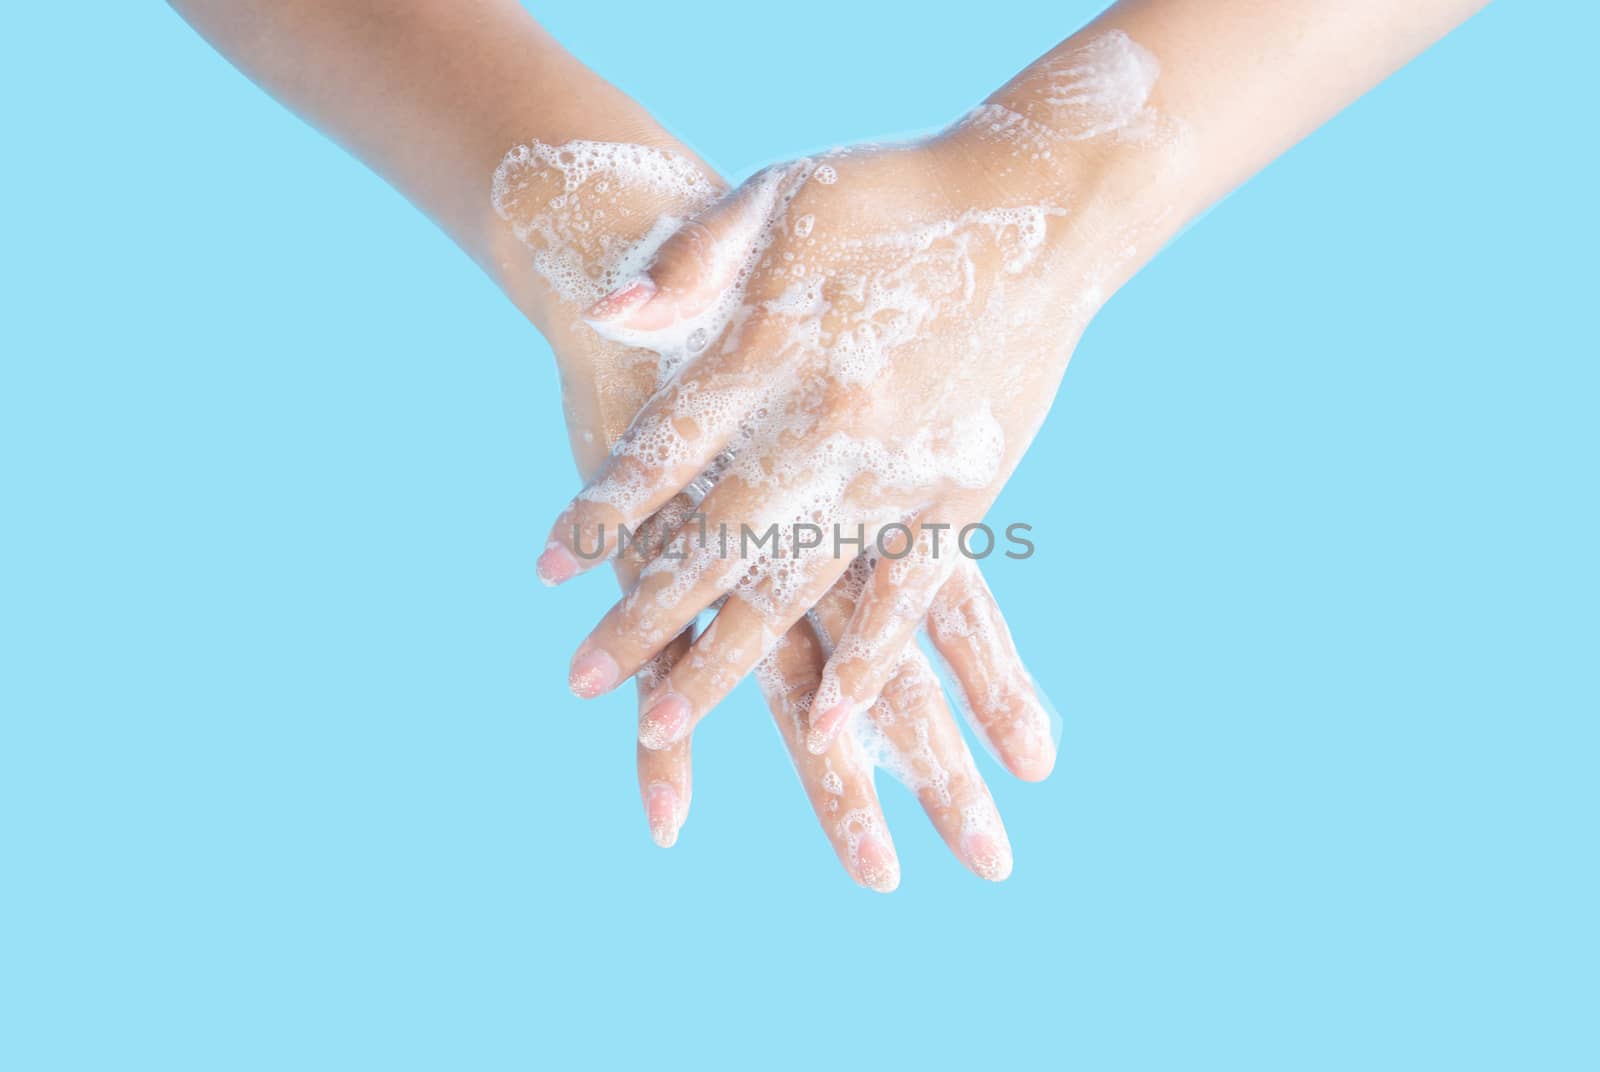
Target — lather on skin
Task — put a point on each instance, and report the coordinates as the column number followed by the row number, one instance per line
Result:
column 901, row 318
column 432, row 94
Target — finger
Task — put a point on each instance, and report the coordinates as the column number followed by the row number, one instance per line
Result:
column 891, row 607
column 665, row 775
column 695, row 568
column 673, row 439
column 911, row 732
column 711, row 555
column 700, row 266
column 1001, row 701
column 744, row 630
column 838, row 783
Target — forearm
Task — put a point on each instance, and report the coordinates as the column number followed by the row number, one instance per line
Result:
column 1250, row 78
column 430, row 94
column 1160, row 107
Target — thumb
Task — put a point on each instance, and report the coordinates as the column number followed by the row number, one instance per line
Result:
column 704, row 261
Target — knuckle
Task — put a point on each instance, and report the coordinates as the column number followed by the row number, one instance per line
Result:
column 908, row 683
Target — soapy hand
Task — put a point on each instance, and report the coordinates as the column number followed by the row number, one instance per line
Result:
column 590, row 213
column 858, row 347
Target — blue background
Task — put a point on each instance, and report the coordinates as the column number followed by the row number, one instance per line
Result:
column 290, row 777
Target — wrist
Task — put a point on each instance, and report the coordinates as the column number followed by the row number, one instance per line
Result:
column 1086, row 129
column 1119, row 197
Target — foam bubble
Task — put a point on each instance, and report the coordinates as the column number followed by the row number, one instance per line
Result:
column 1102, row 87
column 572, row 204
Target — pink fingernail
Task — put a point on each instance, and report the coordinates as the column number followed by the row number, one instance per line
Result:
column 876, row 867
column 988, row 857
column 1038, row 763
column 665, row 722
column 593, row 673
column 1032, row 746
column 557, row 565
column 826, row 727
column 661, row 809
column 632, row 294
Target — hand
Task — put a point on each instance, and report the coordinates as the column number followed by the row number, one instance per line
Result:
column 587, row 213
column 887, row 329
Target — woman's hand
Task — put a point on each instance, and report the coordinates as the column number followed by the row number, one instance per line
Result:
column 865, row 344
column 586, row 214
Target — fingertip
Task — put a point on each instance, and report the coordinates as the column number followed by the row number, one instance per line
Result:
column 556, row 565
column 876, row 866
column 988, row 856
column 1029, row 756
column 1030, row 748
column 664, row 814
column 1035, row 767
column 665, row 722
column 593, row 673
column 825, row 729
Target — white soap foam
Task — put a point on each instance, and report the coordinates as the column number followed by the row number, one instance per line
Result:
column 569, row 203
column 1102, row 87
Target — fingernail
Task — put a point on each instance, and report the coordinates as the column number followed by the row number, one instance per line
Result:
column 665, row 722
column 988, row 857
column 661, row 809
column 1038, row 763
column 876, row 866
column 629, row 296
column 826, row 727
column 593, row 673
column 1034, row 747
column 556, row 565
